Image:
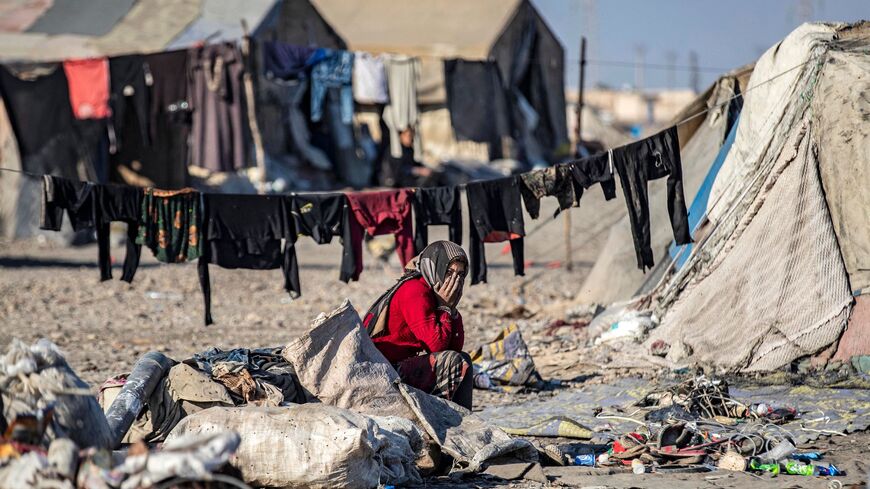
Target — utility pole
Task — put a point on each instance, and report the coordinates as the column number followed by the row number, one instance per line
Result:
column 578, row 141
column 639, row 66
column 256, row 136
column 671, row 58
column 579, row 112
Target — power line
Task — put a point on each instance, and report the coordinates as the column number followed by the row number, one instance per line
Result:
column 653, row 66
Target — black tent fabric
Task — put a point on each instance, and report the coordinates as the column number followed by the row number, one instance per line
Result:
column 476, row 102
column 532, row 64
column 299, row 22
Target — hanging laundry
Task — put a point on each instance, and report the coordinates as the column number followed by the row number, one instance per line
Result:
column 93, row 143
column 378, row 213
column 401, row 113
column 285, row 61
column 159, row 158
column 285, row 130
column 128, row 92
column 219, row 132
column 171, row 224
column 496, row 215
column 596, row 169
column 649, row 159
column 38, row 104
column 476, row 101
column 95, row 206
column 341, row 143
column 436, row 205
column 557, row 181
column 369, row 79
column 322, row 217
column 243, row 231
column 332, row 69
column 61, row 194
column 118, row 203
column 88, row 87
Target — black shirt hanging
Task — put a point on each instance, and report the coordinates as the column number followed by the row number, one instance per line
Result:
column 496, row 214
column 649, row 159
column 244, row 231
column 436, row 205
column 322, row 217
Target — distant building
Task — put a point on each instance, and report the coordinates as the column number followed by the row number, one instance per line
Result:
column 632, row 109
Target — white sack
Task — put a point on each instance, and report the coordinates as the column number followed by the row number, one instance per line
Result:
column 337, row 364
column 307, row 445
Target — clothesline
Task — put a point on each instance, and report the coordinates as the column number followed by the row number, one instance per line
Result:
column 749, row 89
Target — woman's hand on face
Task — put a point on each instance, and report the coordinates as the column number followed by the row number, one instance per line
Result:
column 450, row 291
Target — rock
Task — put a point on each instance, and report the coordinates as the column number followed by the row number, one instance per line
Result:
column 63, row 456
column 659, row 348
column 679, row 352
column 732, row 461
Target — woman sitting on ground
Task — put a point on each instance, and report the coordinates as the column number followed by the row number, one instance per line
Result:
column 415, row 324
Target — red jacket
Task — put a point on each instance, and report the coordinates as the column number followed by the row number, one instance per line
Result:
column 416, row 325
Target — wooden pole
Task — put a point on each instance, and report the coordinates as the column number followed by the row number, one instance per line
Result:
column 256, row 136
column 569, row 259
column 578, row 127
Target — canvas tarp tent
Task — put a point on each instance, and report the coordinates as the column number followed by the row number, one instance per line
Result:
column 144, row 26
column 512, row 33
column 772, row 279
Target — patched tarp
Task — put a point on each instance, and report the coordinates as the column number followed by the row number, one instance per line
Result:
column 856, row 339
column 85, row 17
column 841, row 116
column 767, row 283
column 779, row 291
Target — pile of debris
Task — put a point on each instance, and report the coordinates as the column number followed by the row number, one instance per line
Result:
column 696, row 426
column 328, row 401
column 57, row 436
column 332, row 404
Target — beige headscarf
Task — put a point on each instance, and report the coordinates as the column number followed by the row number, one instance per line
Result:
column 432, row 264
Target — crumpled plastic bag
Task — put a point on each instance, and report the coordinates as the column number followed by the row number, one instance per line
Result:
column 36, row 376
column 633, row 325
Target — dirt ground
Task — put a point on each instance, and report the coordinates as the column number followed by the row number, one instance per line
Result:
column 53, row 291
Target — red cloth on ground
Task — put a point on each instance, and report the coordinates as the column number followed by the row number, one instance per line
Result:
column 377, row 213
column 88, row 81
column 416, row 325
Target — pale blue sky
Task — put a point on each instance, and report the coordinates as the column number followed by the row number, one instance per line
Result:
column 725, row 34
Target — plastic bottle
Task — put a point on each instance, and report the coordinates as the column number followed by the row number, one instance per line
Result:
column 637, row 466
column 830, row 470
column 806, row 457
column 794, row 467
column 756, row 464
column 584, row 459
